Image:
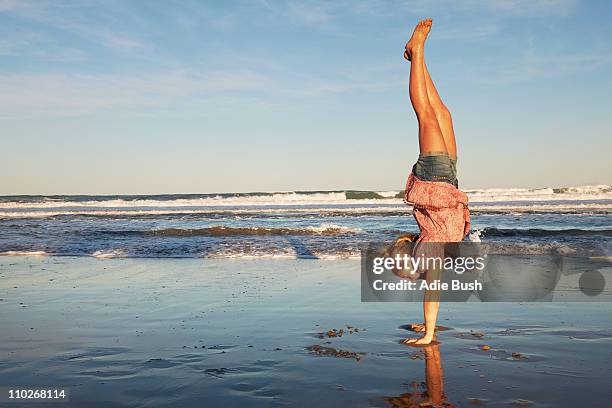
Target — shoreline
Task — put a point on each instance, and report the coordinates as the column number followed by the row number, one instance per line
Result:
column 129, row 332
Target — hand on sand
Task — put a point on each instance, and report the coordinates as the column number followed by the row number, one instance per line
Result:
column 418, row 38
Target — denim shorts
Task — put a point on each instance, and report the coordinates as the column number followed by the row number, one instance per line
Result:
column 436, row 167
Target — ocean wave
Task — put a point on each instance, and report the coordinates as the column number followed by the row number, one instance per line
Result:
column 232, row 252
column 535, row 232
column 319, row 242
column 577, row 193
column 289, row 254
column 222, row 231
column 592, row 251
column 568, row 207
column 109, row 253
column 590, row 189
column 395, row 208
column 23, row 253
column 179, row 200
column 545, row 248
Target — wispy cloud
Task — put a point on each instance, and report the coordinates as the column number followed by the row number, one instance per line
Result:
column 181, row 89
column 468, row 31
column 318, row 11
column 522, row 8
column 8, row 5
column 526, row 7
column 23, row 96
column 311, row 12
column 110, row 29
column 531, row 66
column 37, row 46
column 215, row 78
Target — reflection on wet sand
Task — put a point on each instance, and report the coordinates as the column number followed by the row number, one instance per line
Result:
column 430, row 393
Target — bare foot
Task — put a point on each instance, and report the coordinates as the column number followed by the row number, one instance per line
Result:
column 421, row 341
column 420, row 327
column 418, row 37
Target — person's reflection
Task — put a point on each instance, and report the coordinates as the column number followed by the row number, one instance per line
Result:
column 432, row 393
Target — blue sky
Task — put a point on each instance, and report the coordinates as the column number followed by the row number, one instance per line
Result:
column 163, row 97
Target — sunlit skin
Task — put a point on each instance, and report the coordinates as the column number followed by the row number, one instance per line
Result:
column 436, row 134
column 431, row 304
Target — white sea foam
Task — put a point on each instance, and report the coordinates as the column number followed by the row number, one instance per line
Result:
column 387, row 194
column 326, row 227
column 289, row 198
column 237, row 253
column 248, row 255
column 578, row 193
column 396, row 207
column 475, row 235
column 343, row 255
column 109, row 253
column 23, row 253
column 534, row 248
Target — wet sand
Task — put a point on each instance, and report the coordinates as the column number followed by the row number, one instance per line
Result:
column 189, row 332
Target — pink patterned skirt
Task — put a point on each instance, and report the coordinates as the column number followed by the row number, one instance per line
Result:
column 440, row 209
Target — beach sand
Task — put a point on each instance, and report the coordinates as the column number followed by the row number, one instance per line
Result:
column 193, row 332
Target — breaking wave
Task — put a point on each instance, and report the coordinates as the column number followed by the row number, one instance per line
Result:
column 110, row 253
column 581, row 193
column 395, row 208
column 535, row 232
column 23, row 253
column 222, row 231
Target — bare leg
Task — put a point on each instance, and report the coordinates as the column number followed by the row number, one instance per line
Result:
column 443, row 115
column 430, row 311
column 431, row 138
